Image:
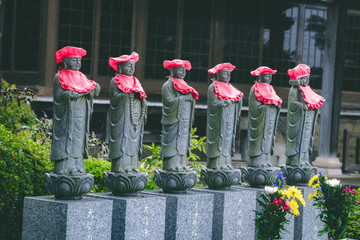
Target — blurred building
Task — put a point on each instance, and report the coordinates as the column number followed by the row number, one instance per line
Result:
column 280, row 34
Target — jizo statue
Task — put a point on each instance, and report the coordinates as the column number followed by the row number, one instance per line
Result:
column 264, row 110
column 128, row 112
column 73, row 105
column 224, row 108
column 303, row 110
column 223, row 112
column 178, row 110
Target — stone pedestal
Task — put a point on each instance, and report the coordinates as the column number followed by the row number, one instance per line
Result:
column 306, row 226
column 220, row 179
column 233, row 213
column 250, row 195
column 260, row 177
column 328, row 166
column 122, row 184
column 47, row 218
column 137, row 217
column 175, row 182
column 69, row 187
column 298, row 176
column 188, row 216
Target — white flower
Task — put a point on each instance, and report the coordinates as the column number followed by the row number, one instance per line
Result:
column 334, row 182
column 270, row 190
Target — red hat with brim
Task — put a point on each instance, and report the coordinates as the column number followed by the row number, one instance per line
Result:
column 299, row 71
column 69, row 52
column 221, row 67
column 177, row 63
column 262, row 70
column 114, row 62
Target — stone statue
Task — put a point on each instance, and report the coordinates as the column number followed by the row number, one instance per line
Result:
column 178, row 111
column 303, row 111
column 264, row 110
column 73, row 105
column 128, row 112
column 223, row 112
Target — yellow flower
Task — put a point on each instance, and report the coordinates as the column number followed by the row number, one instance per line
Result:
column 285, row 193
column 293, row 204
column 313, row 179
column 296, row 212
column 312, row 195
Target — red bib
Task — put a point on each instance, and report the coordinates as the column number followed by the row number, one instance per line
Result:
column 312, row 99
column 75, row 81
column 127, row 84
column 266, row 94
column 227, row 91
column 181, row 86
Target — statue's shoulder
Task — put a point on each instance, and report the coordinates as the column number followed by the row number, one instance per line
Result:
column 167, row 85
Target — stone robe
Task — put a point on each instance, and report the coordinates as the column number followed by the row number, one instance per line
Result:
column 301, row 123
column 221, row 125
column 71, row 121
column 128, row 112
column 263, row 119
column 177, row 119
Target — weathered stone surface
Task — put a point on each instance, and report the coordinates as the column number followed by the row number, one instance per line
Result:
column 188, row 216
column 175, row 182
column 220, row 179
column 298, row 175
column 125, row 183
column 137, row 217
column 48, row 218
column 69, row 187
column 306, row 226
column 233, row 213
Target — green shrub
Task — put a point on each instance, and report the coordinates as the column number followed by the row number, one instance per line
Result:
column 154, row 161
column 23, row 164
column 353, row 231
column 15, row 109
column 97, row 167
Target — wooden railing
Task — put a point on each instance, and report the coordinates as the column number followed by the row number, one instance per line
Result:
column 346, row 166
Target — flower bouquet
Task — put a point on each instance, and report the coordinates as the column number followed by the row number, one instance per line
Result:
column 335, row 203
column 277, row 203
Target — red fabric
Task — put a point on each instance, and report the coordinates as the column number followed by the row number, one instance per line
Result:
column 262, row 70
column 181, row 86
column 266, row 94
column 75, row 81
column 177, row 63
column 114, row 62
column 221, row 67
column 127, row 84
column 312, row 99
column 227, row 91
column 299, row 71
column 69, row 52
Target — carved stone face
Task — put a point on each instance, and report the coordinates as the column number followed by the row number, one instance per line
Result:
column 178, row 72
column 72, row 64
column 265, row 78
column 224, row 75
column 305, row 80
column 127, row 68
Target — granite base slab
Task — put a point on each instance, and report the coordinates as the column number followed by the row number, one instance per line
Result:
column 254, row 205
column 47, row 218
column 188, row 216
column 307, row 225
column 137, row 217
column 233, row 213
